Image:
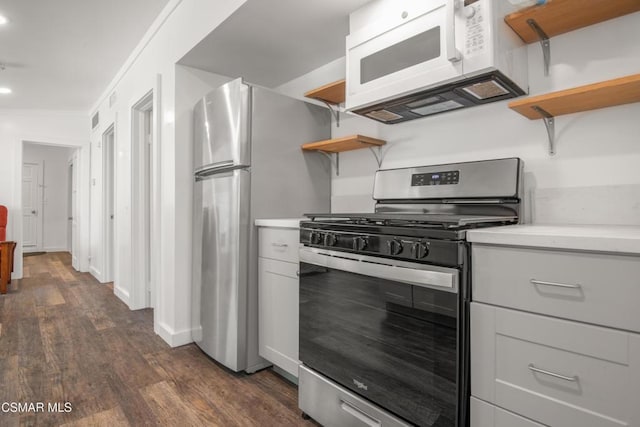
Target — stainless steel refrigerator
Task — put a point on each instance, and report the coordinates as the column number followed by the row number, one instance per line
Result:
column 247, row 164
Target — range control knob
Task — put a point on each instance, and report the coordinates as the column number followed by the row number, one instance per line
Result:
column 315, row 238
column 330, row 239
column 359, row 243
column 394, row 246
column 419, row 250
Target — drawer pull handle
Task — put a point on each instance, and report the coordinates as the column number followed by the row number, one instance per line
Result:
column 359, row 414
column 280, row 245
column 556, row 284
column 553, row 374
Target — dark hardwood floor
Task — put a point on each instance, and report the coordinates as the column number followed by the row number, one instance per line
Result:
column 66, row 338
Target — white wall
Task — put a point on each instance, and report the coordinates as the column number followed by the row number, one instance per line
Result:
column 49, row 127
column 180, row 27
column 593, row 178
column 55, row 194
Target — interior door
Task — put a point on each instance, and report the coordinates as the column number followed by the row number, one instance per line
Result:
column 109, row 188
column 31, row 207
column 73, row 176
column 221, row 233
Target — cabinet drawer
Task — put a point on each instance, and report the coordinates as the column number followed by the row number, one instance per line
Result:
column 485, row 414
column 553, row 371
column 595, row 288
column 279, row 243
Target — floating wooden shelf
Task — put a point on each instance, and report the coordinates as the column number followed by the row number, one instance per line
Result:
column 347, row 143
column 332, row 93
column 561, row 16
column 624, row 90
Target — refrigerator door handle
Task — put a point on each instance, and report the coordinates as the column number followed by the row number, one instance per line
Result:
column 218, row 167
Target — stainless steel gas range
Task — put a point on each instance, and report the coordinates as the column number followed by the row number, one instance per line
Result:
column 384, row 297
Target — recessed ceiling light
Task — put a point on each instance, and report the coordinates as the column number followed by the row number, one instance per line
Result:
column 3, row 20
column 5, row 91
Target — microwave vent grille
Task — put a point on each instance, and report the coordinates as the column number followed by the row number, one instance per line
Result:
column 383, row 115
column 486, row 89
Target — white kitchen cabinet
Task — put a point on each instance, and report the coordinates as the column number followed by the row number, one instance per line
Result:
column 602, row 289
column 554, row 328
column 556, row 372
column 278, row 297
column 485, row 414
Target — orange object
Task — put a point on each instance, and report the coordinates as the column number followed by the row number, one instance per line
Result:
column 6, row 252
column 3, row 223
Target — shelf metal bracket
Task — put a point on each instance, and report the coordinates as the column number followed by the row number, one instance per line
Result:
column 335, row 112
column 377, row 153
column 544, row 43
column 335, row 162
column 550, row 124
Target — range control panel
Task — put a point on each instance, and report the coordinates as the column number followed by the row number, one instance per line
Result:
column 435, row 178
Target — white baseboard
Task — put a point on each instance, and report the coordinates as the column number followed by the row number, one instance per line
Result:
column 173, row 338
column 56, row 249
column 95, row 273
column 122, row 294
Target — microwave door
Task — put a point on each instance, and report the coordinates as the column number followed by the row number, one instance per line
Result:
column 417, row 54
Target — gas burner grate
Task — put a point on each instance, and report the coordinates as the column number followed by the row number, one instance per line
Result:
column 424, row 221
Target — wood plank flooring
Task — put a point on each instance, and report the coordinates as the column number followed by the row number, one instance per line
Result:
column 66, row 338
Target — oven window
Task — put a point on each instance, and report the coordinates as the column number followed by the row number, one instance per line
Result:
column 415, row 50
column 391, row 342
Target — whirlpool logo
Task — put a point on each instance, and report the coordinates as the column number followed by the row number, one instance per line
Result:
column 360, row 385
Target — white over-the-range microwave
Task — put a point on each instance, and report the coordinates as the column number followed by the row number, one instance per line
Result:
column 408, row 59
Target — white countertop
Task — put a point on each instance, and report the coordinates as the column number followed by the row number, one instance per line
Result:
column 601, row 238
column 280, row 222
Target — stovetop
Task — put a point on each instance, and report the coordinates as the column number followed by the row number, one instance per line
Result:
column 422, row 220
column 420, row 238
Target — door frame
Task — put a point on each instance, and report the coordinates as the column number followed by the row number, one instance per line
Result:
column 39, row 206
column 145, row 182
column 81, row 148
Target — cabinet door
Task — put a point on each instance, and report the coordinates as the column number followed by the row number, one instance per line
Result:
column 278, row 306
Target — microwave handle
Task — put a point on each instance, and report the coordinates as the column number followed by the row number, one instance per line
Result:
column 453, row 54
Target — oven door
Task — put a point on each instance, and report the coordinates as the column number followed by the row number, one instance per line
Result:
column 413, row 47
column 386, row 330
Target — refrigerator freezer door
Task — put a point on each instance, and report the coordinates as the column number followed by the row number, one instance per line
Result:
column 220, row 265
column 221, row 127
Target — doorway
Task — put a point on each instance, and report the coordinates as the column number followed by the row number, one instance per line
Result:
column 45, row 197
column 108, row 170
column 142, row 191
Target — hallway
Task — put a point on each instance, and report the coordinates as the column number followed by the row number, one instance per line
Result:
column 66, row 338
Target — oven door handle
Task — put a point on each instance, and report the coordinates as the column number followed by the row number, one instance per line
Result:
column 427, row 276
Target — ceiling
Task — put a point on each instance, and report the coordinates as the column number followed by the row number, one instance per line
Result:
column 62, row 54
column 270, row 42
